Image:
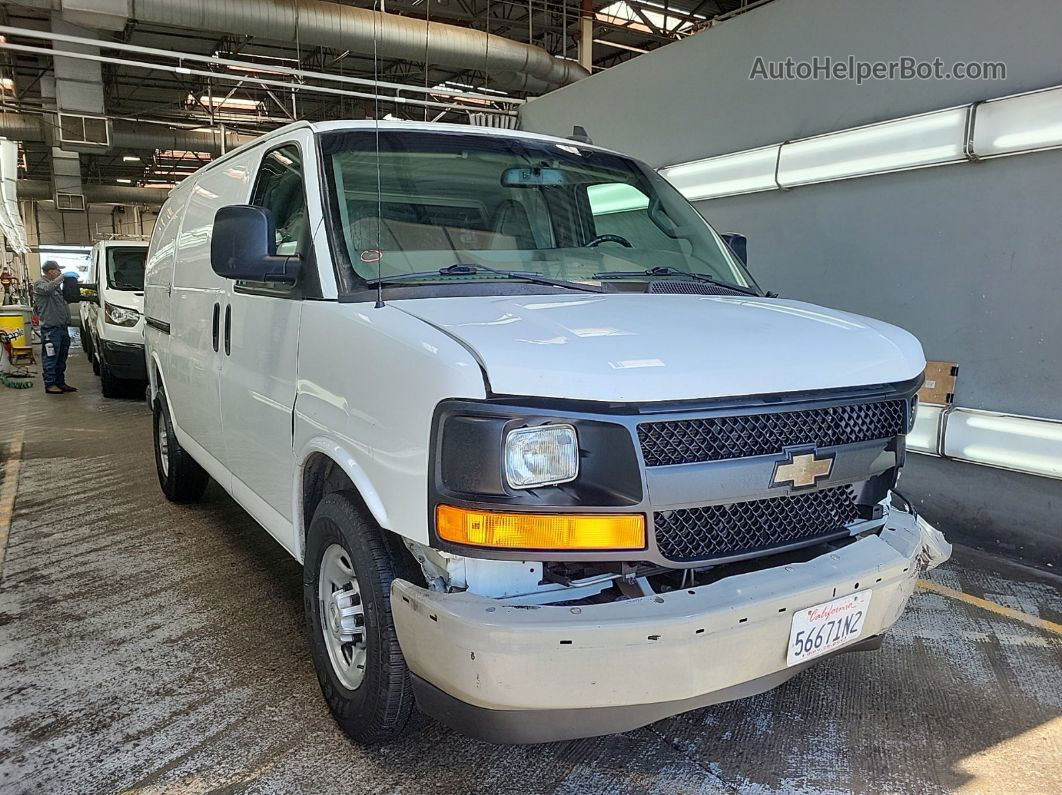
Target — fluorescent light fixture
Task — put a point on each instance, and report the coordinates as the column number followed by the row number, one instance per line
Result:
column 232, row 103
column 931, row 139
column 1026, row 444
column 615, row 197
column 182, row 70
column 130, row 159
column 124, row 181
column 616, row 44
column 924, row 436
column 1018, row 124
column 726, row 175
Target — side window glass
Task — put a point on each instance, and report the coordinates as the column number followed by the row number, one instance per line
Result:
column 279, row 188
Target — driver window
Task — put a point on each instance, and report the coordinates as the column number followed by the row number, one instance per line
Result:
column 280, row 189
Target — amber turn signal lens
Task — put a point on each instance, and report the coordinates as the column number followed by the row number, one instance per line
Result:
column 540, row 531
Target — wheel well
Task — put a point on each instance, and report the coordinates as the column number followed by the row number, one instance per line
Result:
column 322, row 476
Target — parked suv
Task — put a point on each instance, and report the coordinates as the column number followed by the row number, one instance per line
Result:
column 112, row 325
column 554, row 464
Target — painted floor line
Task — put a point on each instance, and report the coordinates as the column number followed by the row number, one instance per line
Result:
column 12, row 468
column 984, row 604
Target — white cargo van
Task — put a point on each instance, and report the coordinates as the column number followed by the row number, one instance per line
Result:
column 554, row 464
column 112, row 308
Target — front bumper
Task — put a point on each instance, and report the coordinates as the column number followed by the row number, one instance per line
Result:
column 519, row 673
column 125, row 359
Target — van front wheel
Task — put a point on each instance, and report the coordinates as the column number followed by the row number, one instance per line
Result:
column 180, row 476
column 350, row 564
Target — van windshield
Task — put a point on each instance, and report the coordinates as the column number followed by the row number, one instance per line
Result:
column 125, row 267
column 429, row 201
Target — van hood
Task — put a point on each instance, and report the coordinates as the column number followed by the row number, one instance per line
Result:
column 129, row 299
column 649, row 347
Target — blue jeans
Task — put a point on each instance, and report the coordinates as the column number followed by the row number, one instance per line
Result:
column 58, row 337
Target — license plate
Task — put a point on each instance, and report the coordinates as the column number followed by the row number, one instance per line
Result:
column 820, row 629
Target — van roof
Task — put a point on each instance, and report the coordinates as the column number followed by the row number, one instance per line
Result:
column 369, row 124
column 123, row 243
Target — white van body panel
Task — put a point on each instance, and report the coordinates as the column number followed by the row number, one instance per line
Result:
column 638, row 347
column 193, row 366
column 259, row 370
column 369, row 381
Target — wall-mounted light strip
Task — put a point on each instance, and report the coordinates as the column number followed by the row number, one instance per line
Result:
column 1011, row 125
column 934, row 139
column 726, row 175
column 1032, row 445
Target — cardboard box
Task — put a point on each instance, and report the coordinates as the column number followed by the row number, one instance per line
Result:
column 939, row 386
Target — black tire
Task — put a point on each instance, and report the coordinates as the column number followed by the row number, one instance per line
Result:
column 86, row 343
column 380, row 709
column 182, row 479
column 110, row 384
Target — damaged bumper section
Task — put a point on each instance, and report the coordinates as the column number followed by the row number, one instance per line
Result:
column 517, row 673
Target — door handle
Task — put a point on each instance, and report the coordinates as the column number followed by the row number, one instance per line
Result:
column 228, row 330
column 217, row 325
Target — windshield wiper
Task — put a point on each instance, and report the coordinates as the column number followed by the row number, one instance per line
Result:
column 462, row 269
column 666, row 270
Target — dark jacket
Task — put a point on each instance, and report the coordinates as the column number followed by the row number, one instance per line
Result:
column 48, row 302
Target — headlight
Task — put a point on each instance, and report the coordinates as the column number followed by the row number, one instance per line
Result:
column 119, row 315
column 542, row 456
column 914, row 413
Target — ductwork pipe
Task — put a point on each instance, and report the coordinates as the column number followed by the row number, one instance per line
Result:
column 129, row 135
column 38, row 190
column 316, row 23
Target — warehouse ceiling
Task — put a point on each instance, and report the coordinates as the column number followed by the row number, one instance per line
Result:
column 151, row 92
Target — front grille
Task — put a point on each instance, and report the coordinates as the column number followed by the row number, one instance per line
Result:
column 719, row 438
column 718, row 531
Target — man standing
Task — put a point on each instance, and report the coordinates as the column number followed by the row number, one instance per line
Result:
column 51, row 307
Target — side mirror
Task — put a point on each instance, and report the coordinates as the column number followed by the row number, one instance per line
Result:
column 89, row 292
column 738, row 243
column 243, row 245
column 71, row 289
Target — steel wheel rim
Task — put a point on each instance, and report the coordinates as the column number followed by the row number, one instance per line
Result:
column 342, row 616
column 164, row 448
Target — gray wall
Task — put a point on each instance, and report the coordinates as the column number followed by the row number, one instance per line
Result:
column 694, row 99
column 967, row 257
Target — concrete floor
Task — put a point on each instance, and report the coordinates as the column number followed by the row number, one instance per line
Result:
column 153, row 648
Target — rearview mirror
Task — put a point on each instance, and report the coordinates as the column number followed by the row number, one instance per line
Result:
column 738, row 243
column 243, row 245
column 535, row 177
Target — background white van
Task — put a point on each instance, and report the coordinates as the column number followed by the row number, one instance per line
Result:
column 112, row 309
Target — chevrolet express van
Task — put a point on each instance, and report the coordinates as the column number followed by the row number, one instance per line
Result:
column 112, row 324
column 554, row 464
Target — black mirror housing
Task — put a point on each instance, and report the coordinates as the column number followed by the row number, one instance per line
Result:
column 738, row 243
column 243, row 246
column 71, row 289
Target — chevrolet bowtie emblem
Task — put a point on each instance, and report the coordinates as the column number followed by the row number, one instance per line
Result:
column 802, row 470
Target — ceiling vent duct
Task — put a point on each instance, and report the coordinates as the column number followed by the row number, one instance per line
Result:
column 83, row 131
column 70, row 202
